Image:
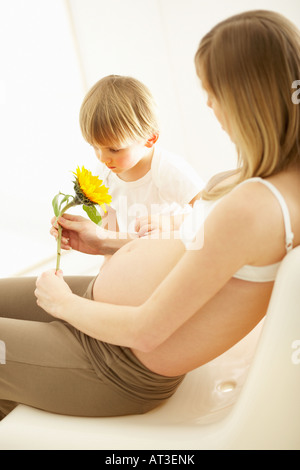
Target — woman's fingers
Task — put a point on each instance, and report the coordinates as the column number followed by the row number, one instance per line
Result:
column 54, row 232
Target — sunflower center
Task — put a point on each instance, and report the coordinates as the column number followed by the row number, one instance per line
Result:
column 81, row 196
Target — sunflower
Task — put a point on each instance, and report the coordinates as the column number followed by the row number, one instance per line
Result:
column 90, row 189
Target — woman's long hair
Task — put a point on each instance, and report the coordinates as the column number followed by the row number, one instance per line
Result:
column 250, row 62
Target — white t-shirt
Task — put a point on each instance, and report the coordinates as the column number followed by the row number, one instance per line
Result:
column 168, row 187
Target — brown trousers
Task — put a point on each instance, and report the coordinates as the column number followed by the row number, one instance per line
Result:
column 46, row 366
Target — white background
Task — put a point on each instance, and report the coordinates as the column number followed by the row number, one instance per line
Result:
column 51, row 52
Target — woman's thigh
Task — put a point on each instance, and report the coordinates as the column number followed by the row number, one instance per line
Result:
column 46, row 367
column 17, row 299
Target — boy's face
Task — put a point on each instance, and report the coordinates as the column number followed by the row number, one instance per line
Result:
column 123, row 161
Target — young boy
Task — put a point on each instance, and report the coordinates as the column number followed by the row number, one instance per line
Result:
column 118, row 118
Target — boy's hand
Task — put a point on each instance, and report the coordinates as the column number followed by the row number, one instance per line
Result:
column 148, row 225
column 158, row 223
column 155, row 224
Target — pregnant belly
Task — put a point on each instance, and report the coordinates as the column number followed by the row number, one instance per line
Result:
column 133, row 272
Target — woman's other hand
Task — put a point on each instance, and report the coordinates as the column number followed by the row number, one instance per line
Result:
column 52, row 291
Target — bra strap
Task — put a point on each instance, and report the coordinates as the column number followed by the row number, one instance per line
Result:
column 289, row 236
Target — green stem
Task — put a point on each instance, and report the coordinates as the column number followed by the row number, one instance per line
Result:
column 58, row 251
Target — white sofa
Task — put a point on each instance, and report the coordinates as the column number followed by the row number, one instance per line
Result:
column 248, row 398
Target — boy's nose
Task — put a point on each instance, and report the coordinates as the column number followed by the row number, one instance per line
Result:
column 103, row 157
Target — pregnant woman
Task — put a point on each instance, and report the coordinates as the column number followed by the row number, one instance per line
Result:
column 123, row 343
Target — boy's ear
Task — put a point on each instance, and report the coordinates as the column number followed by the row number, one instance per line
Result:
column 150, row 142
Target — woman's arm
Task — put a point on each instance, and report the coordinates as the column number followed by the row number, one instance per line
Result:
column 235, row 234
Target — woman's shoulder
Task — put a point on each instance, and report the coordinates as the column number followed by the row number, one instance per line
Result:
column 250, row 196
column 253, row 186
column 258, row 198
column 249, row 209
column 266, row 209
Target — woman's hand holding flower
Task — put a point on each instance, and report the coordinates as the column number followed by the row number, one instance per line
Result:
column 78, row 233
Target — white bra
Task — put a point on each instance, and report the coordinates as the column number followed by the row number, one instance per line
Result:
column 247, row 273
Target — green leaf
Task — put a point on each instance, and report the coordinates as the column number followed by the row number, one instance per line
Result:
column 55, row 204
column 64, row 199
column 59, row 207
column 93, row 214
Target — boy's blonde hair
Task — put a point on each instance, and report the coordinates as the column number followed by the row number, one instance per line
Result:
column 117, row 111
column 249, row 63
